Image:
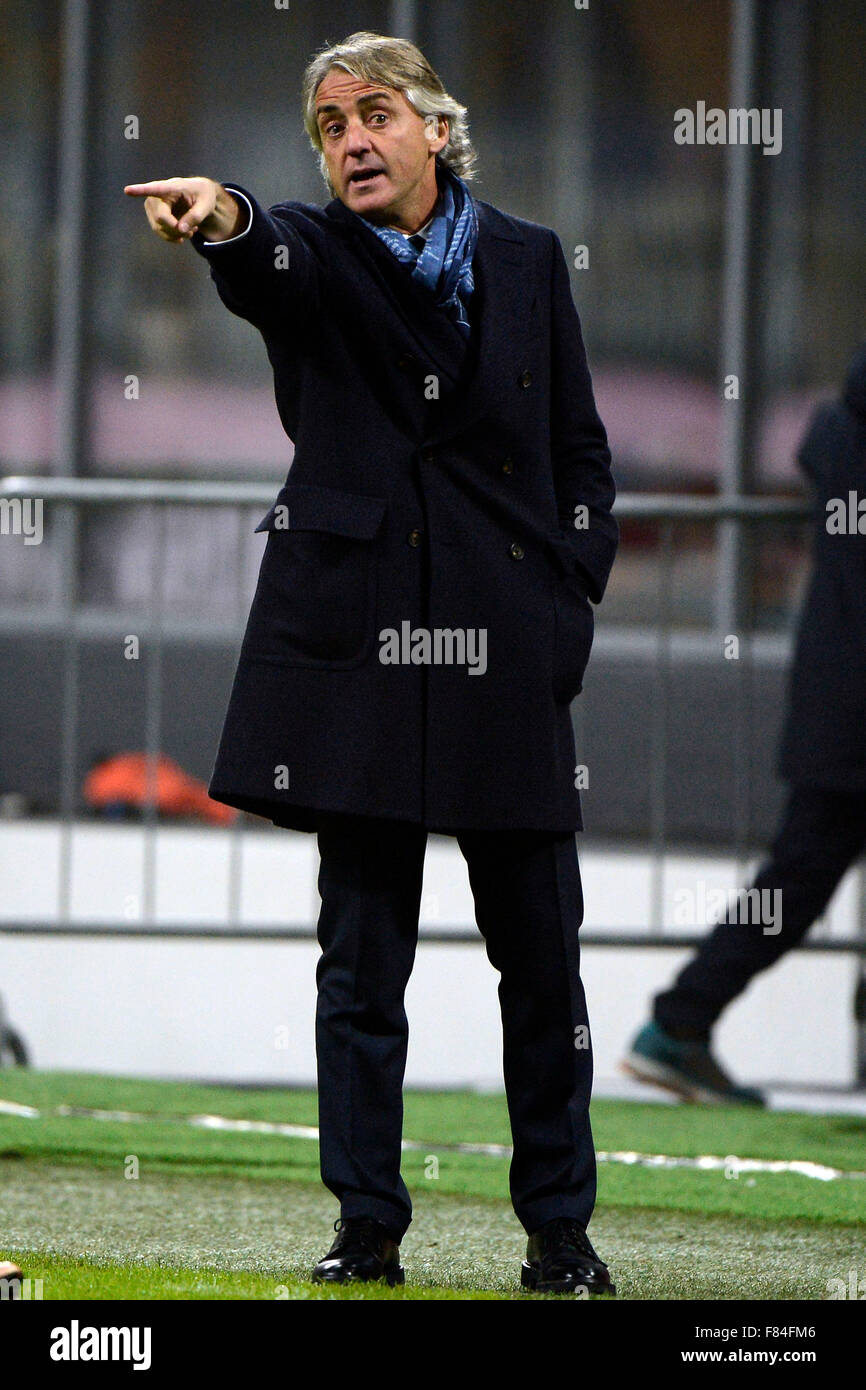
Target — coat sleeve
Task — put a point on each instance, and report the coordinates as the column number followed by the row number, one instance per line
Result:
column 833, row 437
column 580, row 456
column 269, row 274
column 821, row 446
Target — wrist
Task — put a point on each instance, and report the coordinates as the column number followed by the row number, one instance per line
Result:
column 227, row 219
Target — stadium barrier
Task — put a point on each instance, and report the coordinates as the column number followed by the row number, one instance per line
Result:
column 69, row 497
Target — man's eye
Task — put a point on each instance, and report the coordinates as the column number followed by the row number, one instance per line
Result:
column 377, row 114
column 329, row 130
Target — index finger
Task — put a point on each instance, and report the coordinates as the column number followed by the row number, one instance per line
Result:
column 160, row 188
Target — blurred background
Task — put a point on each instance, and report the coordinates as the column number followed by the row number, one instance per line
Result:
column 129, row 389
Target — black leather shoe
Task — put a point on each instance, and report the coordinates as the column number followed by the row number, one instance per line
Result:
column 362, row 1251
column 560, row 1259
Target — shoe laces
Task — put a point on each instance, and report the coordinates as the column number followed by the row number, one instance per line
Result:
column 361, row 1230
column 566, row 1230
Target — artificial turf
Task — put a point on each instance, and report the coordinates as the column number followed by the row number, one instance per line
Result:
column 217, row 1214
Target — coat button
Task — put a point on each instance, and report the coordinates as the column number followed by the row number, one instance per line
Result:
column 414, row 537
column 526, row 379
column 516, row 551
column 507, row 465
column 428, row 456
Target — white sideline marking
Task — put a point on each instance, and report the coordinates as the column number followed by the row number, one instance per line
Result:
column 23, row 1112
column 631, row 1158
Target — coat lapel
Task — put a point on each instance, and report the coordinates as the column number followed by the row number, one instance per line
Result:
column 503, row 285
column 435, row 338
column 503, row 282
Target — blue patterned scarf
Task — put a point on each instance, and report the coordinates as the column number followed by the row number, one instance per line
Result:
column 444, row 265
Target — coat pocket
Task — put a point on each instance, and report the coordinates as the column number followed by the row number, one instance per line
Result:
column 315, row 604
column 574, row 631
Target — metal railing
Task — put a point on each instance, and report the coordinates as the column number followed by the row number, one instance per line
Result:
column 72, row 494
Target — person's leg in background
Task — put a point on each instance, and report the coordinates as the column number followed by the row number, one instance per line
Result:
column 821, row 834
column 529, row 908
column 370, row 881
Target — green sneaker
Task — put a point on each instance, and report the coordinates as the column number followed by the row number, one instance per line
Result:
column 685, row 1066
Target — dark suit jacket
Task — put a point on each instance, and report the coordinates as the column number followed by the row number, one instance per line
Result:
column 824, row 738
column 432, row 485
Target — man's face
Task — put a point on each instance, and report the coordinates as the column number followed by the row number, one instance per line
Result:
column 379, row 152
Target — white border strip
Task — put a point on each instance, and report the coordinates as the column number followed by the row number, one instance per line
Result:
column 731, row 1165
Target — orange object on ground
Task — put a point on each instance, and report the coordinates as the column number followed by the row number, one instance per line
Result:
column 123, row 780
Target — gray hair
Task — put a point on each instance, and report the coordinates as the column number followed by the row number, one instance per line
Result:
column 398, row 64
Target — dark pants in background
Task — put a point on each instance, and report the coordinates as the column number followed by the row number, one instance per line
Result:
column 529, row 907
column 821, row 835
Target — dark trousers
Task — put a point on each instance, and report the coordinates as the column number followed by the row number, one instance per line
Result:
column 821, row 835
column 529, row 907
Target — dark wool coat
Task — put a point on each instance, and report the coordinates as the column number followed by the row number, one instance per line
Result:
column 824, row 738
column 433, row 486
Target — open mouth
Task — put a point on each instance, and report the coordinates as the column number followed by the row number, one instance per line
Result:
column 361, row 177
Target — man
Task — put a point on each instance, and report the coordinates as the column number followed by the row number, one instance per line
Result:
column 823, row 757
column 421, row 621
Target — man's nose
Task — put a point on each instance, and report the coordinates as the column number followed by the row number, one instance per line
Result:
column 357, row 138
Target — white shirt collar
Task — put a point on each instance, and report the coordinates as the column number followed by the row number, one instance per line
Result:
column 422, row 231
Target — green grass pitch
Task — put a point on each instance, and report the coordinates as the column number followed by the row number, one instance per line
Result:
column 220, row 1214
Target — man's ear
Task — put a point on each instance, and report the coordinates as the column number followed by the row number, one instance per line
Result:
column 433, row 130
